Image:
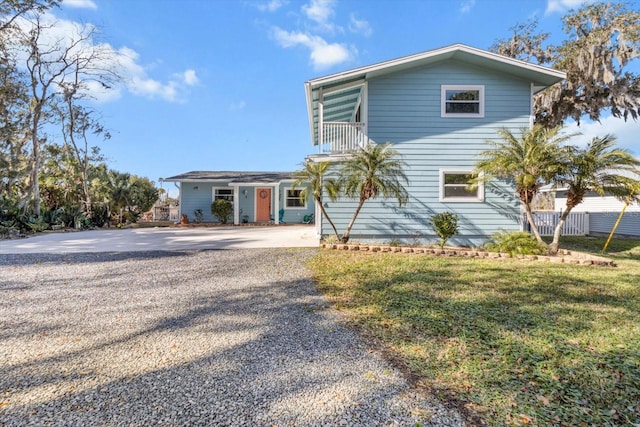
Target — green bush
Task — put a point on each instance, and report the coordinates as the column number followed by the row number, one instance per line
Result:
column 445, row 225
column 515, row 243
column 222, row 209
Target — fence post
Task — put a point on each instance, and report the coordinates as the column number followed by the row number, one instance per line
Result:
column 587, row 223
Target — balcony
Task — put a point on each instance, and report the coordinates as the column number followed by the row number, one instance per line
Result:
column 342, row 137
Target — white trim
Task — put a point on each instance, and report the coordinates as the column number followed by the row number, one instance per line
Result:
column 364, row 109
column 285, row 190
column 320, row 120
column 480, row 191
column 236, row 206
column 180, row 203
column 276, row 204
column 443, row 101
column 531, row 106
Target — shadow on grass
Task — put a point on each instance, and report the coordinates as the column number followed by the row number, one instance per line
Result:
column 619, row 248
column 555, row 343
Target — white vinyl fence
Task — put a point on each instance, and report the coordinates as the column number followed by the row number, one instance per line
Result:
column 577, row 224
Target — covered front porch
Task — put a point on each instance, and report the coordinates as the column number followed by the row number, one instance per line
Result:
column 256, row 197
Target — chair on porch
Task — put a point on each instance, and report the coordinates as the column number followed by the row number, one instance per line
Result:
column 280, row 217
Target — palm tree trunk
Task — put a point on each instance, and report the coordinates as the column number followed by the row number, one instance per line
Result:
column 324, row 214
column 555, row 245
column 347, row 231
column 532, row 223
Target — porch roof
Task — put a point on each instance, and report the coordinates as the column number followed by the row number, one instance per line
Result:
column 342, row 91
column 232, row 177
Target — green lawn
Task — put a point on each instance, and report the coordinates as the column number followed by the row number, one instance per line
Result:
column 511, row 342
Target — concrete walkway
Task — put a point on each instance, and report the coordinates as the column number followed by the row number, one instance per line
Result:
column 164, row 239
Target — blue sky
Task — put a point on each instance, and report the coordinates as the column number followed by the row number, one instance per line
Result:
column 218, row 84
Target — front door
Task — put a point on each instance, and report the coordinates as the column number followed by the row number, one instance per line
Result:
column 263, row 204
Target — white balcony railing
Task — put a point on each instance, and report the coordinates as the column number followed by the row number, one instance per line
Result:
column 341, row 137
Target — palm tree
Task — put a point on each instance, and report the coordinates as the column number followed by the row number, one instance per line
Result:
column 531, row 160
column 598, row 167
column 314, row 173
column 371, row 171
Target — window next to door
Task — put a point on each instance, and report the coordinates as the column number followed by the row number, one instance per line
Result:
column 223, row 193
column 293, row 199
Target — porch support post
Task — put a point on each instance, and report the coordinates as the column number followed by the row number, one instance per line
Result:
column 236, row 205
column 276, row 203
column 320, row 119
column 364, row 110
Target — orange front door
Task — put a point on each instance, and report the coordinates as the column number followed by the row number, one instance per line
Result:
column 263, row 204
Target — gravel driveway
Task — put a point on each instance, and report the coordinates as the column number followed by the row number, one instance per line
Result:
column 235, row 337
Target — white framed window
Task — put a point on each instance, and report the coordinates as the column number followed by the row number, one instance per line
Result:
column 225, row 193
column 455, row 187
column 462, row 101
column 292, row 199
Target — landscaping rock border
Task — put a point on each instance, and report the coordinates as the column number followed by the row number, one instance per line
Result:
column 563, row 257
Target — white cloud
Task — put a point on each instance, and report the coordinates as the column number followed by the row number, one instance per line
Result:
column 467, row 5
column 272, row 5
column 625, row 132
column 321, row 12
column 123, row 61
column 237, row 106
column 359, row 26
column 562, row 5
column 190, row 78
column 80, row 4
column 322, row 54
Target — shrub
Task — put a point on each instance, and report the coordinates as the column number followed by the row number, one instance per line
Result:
column 222, row 209
column 515, row 243
column 100, row 214
column 445, row 225
column 394, row 243
column 198, row 215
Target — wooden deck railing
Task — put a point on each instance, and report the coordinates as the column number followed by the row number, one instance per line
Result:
column 341, row 137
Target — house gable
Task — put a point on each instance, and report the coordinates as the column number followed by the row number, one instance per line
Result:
column 339, row 95
column 401, row 102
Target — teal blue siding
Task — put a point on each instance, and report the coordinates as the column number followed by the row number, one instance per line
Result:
column 405, row 109
column 603, row 222
column 196, row 195
column 294, row 215
column 247, row 204
column 199, row 195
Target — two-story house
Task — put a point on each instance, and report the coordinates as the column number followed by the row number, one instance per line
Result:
column 438, row 108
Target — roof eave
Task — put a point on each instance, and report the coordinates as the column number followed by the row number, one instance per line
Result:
column 389, row 66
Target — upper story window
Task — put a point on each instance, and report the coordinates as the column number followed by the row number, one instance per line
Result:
column 293, row 199
column 462, row 101
column 454, row 187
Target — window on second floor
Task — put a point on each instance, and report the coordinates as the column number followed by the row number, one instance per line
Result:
column 455, row 187
column 462, row 101
column 293, row 199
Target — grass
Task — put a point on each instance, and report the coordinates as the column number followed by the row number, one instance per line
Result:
column 510, row 342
